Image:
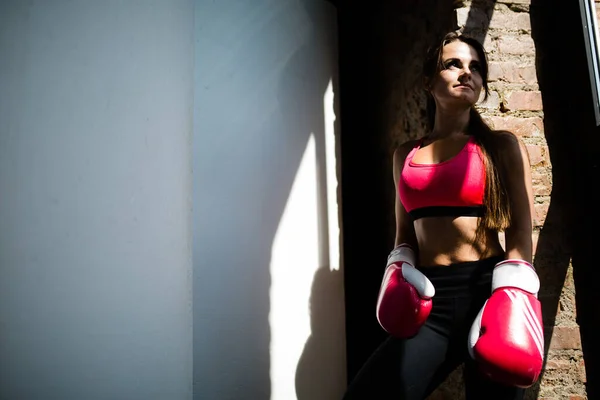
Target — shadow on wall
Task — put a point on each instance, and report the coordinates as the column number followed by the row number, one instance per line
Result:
column 553, row 252
column 321, row 369
column 322, row 361
column 554, row 246
column 258, row 101
column 572, row 139
column 552, row 255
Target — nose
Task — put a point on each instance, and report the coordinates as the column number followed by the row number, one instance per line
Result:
column 465, row 74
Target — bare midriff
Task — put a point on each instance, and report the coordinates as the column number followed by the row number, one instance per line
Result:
column 448, row 240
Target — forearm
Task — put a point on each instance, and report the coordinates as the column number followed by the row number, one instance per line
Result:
column 406, row 235
column 519, row 244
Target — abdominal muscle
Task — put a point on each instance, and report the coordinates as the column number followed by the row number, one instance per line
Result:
column 448, row 240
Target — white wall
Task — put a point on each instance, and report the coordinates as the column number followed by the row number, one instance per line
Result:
column 268, row 286
column 113, row 127
column 95, row 210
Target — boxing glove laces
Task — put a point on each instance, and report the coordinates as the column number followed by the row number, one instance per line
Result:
column 507, row 336
column 404, row 300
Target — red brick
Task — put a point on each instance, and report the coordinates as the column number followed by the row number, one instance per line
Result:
column 517, row 45
column 582, row 374
column 489, row 43
column 577, row 397
column 495, row 71
column 573, row 368
column 501, row 71
column 477, row 18
column 526, row 74
column 510, row 20
column 492, row 102
column 540, row 211
column 569, row 283
column 535, row 236
column 509, row 71
column 558, row 364
column 538, row 155
column 522, row 127
column 521, row 100
column 565, row 337
column 541, row 182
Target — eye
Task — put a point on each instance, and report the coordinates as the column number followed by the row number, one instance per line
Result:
column 452, row 64
column 475, row 67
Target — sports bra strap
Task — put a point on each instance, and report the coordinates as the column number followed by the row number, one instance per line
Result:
column 447, row 211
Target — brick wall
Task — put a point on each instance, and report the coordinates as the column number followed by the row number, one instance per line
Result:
column 515, row 104
column 520, row 109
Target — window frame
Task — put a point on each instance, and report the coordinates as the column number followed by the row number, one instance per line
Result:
column 592, row 47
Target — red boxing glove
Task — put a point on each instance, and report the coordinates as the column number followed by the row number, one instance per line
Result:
column 507, row 337
column 404, row 301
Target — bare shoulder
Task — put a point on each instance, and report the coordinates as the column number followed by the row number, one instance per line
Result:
column 400, row 154
column 402, row 151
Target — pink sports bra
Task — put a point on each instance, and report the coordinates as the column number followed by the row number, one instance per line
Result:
column 455, row 187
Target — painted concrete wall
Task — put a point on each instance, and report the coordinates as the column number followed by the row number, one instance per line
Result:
column 268, row 287
column 95, row 199
column 169, row 201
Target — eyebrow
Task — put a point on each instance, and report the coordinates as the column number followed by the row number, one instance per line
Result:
column 459, row 60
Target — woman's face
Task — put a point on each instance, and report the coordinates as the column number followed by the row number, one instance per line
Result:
column 460, row 81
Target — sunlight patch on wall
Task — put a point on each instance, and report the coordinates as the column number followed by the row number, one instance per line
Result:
column 294, row 260
column 332, row 184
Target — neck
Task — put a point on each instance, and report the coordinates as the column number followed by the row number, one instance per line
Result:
column 450, row 122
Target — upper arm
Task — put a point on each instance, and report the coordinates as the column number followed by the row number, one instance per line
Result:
column 517, row 172
column 405, row 232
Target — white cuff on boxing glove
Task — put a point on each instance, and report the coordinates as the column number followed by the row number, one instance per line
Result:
column 404, row 254
column 416, row 278
column 516, row 273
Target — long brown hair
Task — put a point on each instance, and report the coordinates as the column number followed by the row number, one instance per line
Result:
column 497, row 209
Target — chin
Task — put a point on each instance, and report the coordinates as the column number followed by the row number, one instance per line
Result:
column 465, row 101
column 461, row 100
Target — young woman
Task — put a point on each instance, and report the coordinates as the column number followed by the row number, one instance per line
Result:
column 450, row 293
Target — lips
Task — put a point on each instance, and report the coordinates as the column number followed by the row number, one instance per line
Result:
column 464, row 85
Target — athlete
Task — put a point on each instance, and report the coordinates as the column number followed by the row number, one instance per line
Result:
column 451, row 294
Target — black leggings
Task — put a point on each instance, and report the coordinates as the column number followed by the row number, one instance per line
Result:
column 411, row 369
